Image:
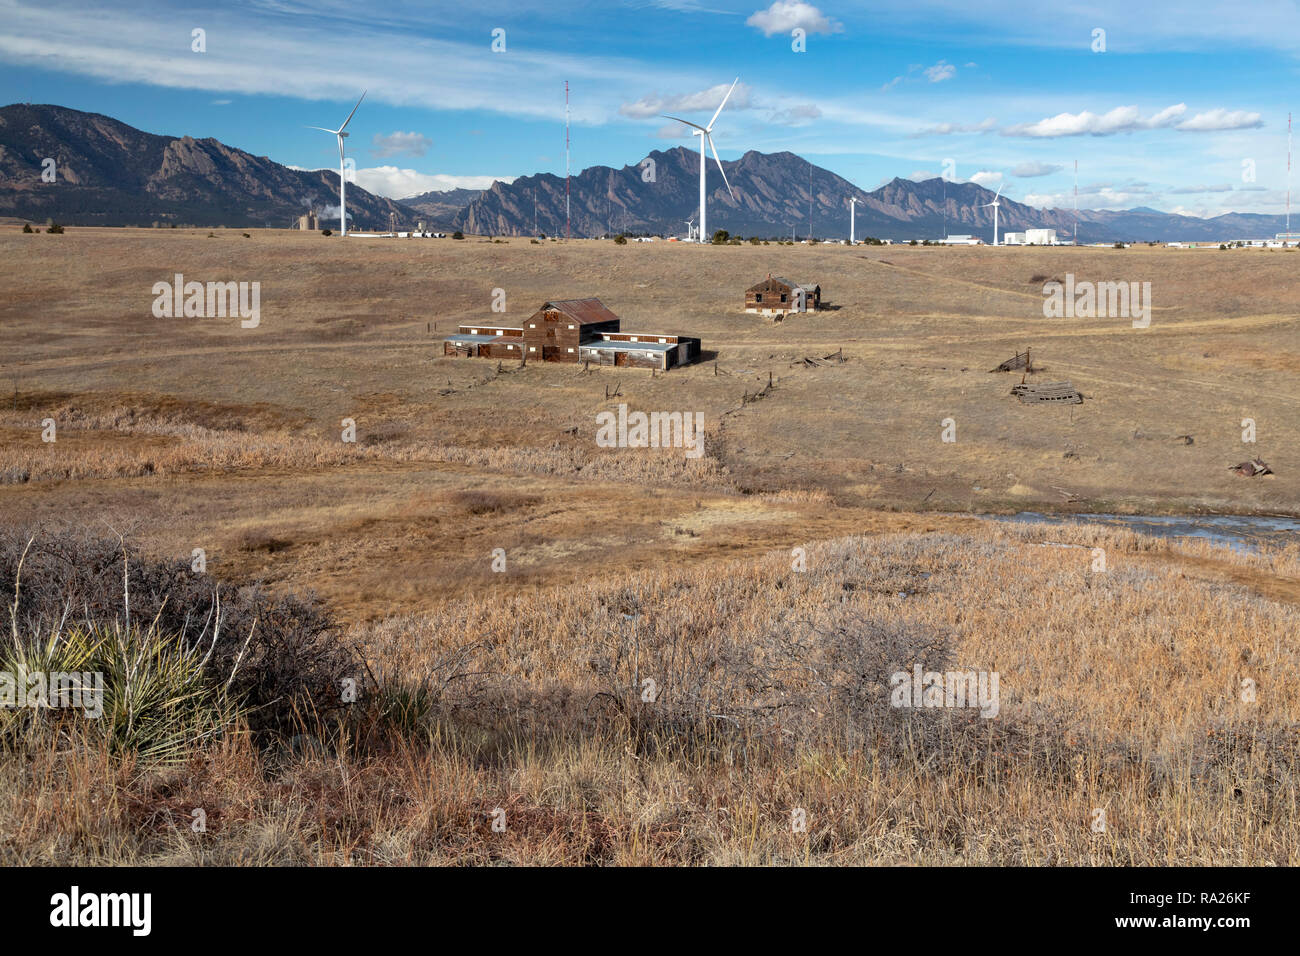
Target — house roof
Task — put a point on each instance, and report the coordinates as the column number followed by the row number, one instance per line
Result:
column 806, row 286
column 582, row 311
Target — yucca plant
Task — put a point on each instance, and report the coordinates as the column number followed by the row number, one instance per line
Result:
column 155, row 698
column 149, row 693
column 159, row 699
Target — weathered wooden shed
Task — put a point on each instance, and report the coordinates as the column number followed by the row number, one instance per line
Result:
column 777, row 295
column 641, row 350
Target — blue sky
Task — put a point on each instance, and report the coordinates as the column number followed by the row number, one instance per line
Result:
column 1185, row 109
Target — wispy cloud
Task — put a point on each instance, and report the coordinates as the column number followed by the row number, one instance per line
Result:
column 950, row 129
column 655, row 104
column 940, row 71
column 800, row 115
column 400, row 144
column 1196, row 190
column 1031, row 169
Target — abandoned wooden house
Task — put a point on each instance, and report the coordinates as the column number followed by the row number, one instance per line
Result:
column 777, row 296
column 573, row 330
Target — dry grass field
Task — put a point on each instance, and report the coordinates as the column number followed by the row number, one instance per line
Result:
column 521, row 690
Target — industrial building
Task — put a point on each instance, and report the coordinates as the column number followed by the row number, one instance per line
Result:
column 573, row 330
column 1030, row 237
column 775, row 295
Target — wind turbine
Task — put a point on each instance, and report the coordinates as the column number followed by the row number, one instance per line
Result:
column 343, row 212
column 704, row 133
column 690, row 228
column 853, row 208
column 994, row 204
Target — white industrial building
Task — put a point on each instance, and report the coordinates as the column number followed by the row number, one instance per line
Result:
column 962, row 241
column 1030, row 237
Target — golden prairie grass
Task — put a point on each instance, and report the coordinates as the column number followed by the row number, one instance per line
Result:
column 1120, row 692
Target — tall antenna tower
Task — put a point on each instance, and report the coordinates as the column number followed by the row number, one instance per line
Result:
column 566, row 159
column 810, row 202
column 1076, row 202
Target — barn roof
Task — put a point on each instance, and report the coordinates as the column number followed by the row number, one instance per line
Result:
column 606, row 345
column 474, row 339
column 582, row 311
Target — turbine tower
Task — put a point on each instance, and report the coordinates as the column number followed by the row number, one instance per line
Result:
column 853, row 208
column 995, row 205
column 705, row 135
column 342, row 135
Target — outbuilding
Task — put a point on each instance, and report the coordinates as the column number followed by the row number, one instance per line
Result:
column 775, row 295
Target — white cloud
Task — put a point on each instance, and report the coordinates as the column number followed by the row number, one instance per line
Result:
column 1122, row 119
column 921, row 175
column 1129, row 119
column 704, row 100
column 396, row 183
column 1033, row 168
column 785, row 15
column 399, row 144
column 1221, row 119
column 940, row 71
column 986, row 178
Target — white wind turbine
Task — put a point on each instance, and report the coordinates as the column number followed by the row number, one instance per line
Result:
column 690, row 228
column 704, row 133
column 995, row 205
column 853, row 208
column 343, row 211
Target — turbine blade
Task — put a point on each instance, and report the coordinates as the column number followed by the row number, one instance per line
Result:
column 353, row 113
column 323, row 129
column 680, row 120
column 719, row 162
column 723, row 103
column 998, row 193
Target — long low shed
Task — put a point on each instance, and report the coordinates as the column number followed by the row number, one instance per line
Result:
column 640, row 354
column 481, row 346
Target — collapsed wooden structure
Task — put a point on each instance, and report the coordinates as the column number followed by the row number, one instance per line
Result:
column 1055, row 393
column 1020, row 360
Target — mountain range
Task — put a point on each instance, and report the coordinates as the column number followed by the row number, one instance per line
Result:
column 109, row 173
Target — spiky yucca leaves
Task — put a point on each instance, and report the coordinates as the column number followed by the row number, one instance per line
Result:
column 150, row 695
